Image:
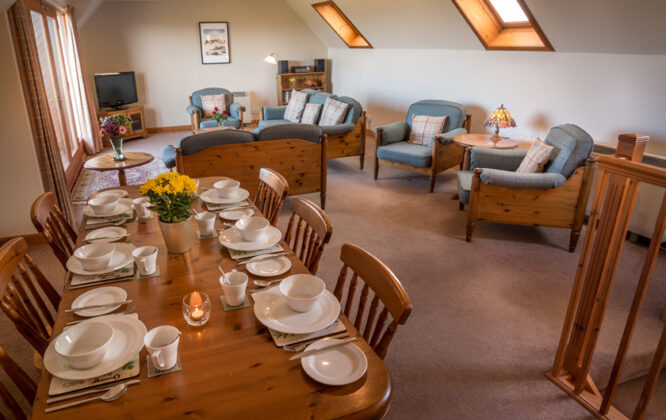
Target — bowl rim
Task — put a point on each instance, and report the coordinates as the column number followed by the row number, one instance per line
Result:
column 81, row 325
column 290, row 279
column 101, row 244
column 235, row 184
column 239, row 227
column 110, row 199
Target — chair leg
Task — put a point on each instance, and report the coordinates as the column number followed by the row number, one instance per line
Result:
column 470, row 230
column 322, row 197
column 376, row 167
column 433, row 177
column 573, row 240
column 461, row 206
column 362, row 158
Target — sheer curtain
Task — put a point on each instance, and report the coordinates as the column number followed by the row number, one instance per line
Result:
column 80, row 95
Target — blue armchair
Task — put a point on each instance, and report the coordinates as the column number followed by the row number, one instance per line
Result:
column 557, row 197
column 394, row 150
column 195, row 110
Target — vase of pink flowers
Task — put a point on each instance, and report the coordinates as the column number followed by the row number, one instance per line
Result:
column 115, row 127
column 219, row 116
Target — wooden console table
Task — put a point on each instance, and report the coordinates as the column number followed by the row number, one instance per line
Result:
column 135, row 114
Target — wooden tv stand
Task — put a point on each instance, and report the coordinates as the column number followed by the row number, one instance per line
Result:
column 134, row 113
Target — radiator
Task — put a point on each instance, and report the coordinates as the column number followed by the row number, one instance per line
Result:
column 245, row 99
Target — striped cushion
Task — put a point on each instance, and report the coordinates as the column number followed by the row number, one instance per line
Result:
column 334, row 112
column 536, row 157
column 311, row 114
column 424, row 127
column 210, row 102
column 296, row 105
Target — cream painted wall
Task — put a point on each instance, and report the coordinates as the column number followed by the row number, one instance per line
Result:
column 20, row 180
column 160, row 42
column 606, row 94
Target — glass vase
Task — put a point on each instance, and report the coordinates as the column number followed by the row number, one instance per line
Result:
column 117, row 144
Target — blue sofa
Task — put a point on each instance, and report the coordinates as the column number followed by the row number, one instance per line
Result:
column 195, row 110
column 346, row 139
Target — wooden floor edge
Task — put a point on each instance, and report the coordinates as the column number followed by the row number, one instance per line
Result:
column 167, row 129
column 591, row 406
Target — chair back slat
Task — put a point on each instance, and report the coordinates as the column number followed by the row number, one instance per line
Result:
column 22, row 296
column 23, row 382
column 272, row 192
column 308, row 232
column 387, row 289
column 52, row 225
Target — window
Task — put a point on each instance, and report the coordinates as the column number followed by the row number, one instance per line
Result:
column 342, row 26
column 504, row 24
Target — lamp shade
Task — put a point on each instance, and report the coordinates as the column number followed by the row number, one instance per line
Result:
column 500, row 118
column 271, row 58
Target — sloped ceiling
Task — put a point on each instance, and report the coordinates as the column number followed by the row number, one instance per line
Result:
column 597, row 26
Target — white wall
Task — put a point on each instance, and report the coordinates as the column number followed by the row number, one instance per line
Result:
column 160, row 42
column 605, row 94
column 20, row 180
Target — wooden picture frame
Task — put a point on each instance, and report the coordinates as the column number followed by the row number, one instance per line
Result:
column 214, row 42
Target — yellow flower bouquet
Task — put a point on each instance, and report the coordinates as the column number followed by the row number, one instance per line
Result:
column 171, row 196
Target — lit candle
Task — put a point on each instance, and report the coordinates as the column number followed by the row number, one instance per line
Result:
column 195, row 302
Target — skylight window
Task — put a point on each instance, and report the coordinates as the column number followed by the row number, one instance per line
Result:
column 341, row 25
column 509, row 11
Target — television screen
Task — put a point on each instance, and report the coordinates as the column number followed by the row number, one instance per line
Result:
column 116, row 89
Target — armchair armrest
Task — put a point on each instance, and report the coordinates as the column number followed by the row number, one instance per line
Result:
column 484, row 157
column 192, row 109
column 169, row 156
column 274, row 112
column 520, row 180
column 392, row 133
column 235, row 110
column 446, row 138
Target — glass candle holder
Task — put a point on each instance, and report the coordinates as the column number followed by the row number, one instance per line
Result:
column 196, row 308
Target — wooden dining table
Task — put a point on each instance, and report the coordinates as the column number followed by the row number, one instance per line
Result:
column 230, row 366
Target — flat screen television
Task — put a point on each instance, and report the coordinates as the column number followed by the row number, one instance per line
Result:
column 116, row 89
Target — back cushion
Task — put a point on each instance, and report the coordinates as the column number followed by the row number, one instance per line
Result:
column 424, row 127
column 454, row 112
column 210, row 102
column 334, row 112
column 311, row 114
column 296, row 106
column 572, row 147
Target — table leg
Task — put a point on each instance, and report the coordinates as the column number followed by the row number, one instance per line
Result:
column 466, row 157
column 122, row 179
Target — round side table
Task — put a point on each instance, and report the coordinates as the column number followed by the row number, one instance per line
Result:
column 481, row 140
column 106, row 163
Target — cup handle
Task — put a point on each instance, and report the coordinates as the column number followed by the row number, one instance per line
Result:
column 157, row 359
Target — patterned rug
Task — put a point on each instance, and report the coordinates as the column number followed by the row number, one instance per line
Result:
column 91, row 181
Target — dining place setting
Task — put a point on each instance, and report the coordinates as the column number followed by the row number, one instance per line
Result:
column 260, row 281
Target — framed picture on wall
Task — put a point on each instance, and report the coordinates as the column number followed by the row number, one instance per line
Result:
column 214, row 37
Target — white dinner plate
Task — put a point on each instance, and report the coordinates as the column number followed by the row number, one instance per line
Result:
column 122, row 255
column 115, row 193
column 113, row 233
column 236, row 214
column 339, row 366
column 100, row 296
column 127, row 341
column 117, row 211
column 212, row 196
column 270, row 267
column 231, row 238
column 271, row 309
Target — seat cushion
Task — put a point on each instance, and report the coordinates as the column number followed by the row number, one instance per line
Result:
column 407, row 153
column 464, row 185
column 230, row 122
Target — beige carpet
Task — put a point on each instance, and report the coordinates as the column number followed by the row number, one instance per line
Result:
column 487, row 314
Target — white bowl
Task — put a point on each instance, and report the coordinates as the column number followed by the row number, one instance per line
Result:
column 84, row 345
column 94, row 256
column 302, row 291
column 251, row 228
column 227, row 188
column 103, row 204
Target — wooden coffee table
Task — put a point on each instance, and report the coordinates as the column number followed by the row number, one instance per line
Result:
column 106, row 163
column 482, row 140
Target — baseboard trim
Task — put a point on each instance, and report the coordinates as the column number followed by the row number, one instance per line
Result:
column 33, row 239
column 153, row 130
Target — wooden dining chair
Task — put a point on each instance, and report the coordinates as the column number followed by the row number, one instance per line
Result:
column 308, row 232
column 23, row 382
column 22, row 286
column 273, row 189
column 387, row 289
column 51, row 223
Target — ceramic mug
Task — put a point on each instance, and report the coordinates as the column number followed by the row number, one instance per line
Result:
column 162, row 346
column 206, row 222
column 234, row 291
column 146, row 259
column 141, row 207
